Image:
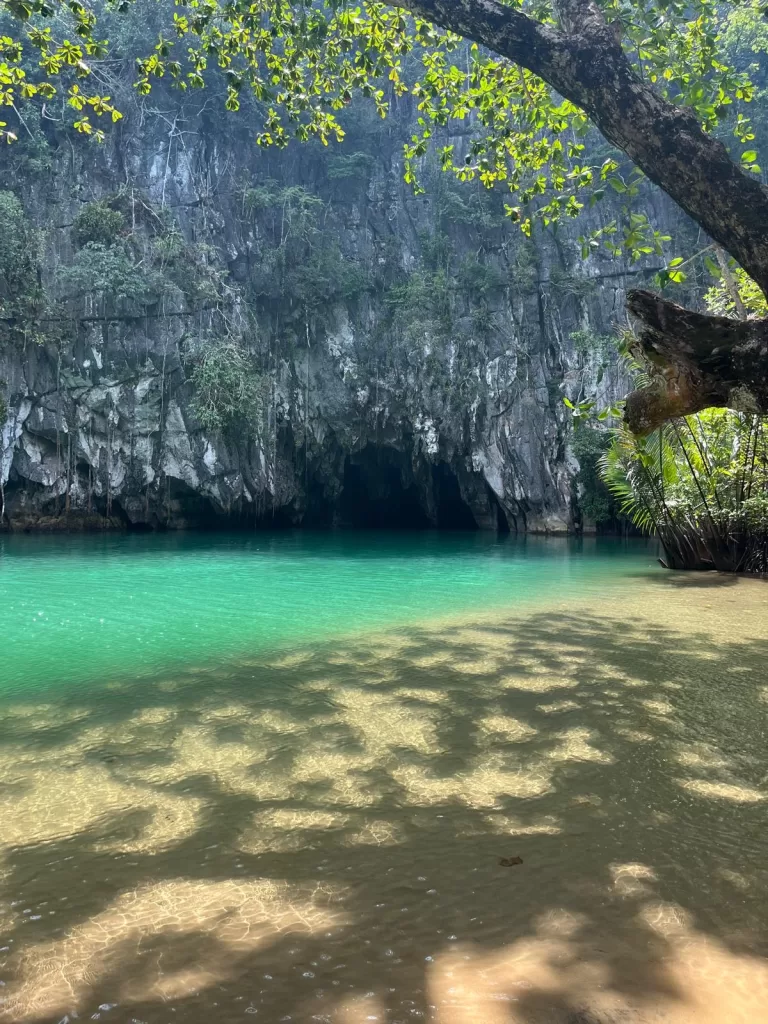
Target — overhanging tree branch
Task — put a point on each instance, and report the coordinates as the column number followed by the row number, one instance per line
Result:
column 587, row 65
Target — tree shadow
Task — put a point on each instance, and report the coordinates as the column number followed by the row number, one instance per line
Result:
column 706, row 580
column 318, row 836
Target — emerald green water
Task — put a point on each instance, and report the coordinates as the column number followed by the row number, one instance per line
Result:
column 80, row 609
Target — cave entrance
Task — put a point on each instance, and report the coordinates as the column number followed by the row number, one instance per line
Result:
column 381, row 490
column 452, row 512
column 375, row 494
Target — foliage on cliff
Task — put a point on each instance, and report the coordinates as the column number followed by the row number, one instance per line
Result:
column 229, row 391
column 303, row 63
column 21, row 293
column 596, row 502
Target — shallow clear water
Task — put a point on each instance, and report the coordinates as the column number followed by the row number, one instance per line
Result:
column 275, row 776
column 76, row 609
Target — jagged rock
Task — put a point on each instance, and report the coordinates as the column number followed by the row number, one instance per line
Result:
column 102, row 427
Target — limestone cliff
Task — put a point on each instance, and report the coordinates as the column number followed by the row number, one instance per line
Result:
column 209, row 333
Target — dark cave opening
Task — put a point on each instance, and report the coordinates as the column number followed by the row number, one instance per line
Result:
column 452, row 512
column 378, row 487
column 381, row 490
column 319, row 509
column 174, row 505
column 374, row 494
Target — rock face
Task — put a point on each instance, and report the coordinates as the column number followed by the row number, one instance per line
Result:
column 409, row 354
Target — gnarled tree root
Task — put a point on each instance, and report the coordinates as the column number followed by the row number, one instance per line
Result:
column 701, row 361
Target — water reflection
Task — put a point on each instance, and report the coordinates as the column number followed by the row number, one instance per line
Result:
column 317, row 836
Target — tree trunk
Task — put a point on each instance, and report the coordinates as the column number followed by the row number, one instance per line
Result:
column 702, row 361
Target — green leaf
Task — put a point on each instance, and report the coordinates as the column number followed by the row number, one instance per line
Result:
column 712, row 267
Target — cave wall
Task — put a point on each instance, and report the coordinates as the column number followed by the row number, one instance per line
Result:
column 378, row 406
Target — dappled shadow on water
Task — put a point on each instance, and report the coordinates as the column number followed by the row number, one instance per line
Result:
column 690, row 580
column 318, row 838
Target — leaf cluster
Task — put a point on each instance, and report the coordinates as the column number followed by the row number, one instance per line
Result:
column 22, row 299
column 708, row 471
column 229, row 389
column 97, row 222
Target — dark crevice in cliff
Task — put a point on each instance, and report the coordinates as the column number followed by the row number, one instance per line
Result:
column 502, row 522
column 452, row 512
column 377, row 491
column 186, row 506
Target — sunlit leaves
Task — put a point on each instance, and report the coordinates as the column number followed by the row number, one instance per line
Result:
column 672, row 273
column 734, row 292
column 66, row 58
column 749, row 161
column 6, row 135
column 632, row 237
column 678, row 47
column 98, row 104
column 303, row 61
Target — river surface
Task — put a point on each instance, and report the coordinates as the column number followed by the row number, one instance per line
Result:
column 379, row 777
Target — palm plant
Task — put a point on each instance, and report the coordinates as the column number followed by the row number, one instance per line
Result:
column 700, row 483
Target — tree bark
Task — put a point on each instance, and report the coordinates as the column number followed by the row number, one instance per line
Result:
column 702, row 361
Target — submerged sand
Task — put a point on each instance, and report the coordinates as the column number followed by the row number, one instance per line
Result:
column 317, row 837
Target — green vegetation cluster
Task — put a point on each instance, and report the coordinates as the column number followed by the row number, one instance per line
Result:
column 229, row 390
column 131, row 258
column 596, row 502
column 298, row 268
column 701, row 483
column 113, row 273
column 22, row 298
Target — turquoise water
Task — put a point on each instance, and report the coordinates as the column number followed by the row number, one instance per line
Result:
column 82, row 609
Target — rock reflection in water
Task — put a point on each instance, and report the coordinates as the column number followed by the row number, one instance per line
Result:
column 319, row 837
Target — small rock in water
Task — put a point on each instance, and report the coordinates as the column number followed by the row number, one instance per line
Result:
column 510, row 862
